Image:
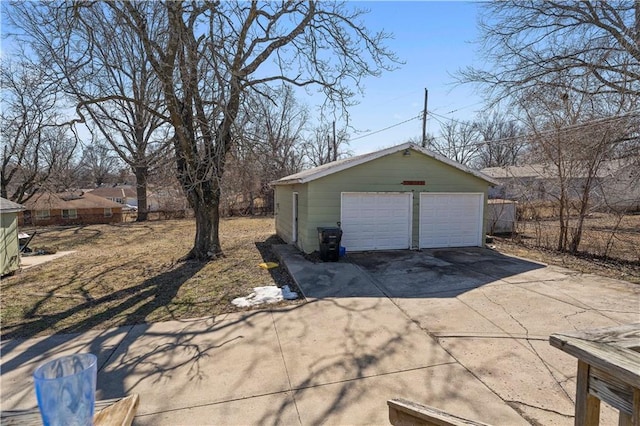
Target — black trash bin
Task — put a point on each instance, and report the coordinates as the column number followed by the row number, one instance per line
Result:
column 329, row 239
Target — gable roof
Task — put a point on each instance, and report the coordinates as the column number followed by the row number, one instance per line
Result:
column 346, row 163
column 68, row 200
column 610, row 168
column 526, row 171
column 7, row 206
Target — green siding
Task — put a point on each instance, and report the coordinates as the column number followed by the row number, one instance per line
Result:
column 10, row 257
column 303, row 213
column 385, row 174
column 284, row 212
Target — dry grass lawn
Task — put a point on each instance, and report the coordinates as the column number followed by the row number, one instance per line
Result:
column 129, row 273
column 610, row 245
column 604, row 235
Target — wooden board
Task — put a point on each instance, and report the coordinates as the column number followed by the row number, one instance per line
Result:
column 608, row 370
column 120, row 413
column 406, row 413
column 613, row 350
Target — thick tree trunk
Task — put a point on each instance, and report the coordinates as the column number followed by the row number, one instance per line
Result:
column 141, row 193
column 204, row 198
column 3, row 188
column 637, row 6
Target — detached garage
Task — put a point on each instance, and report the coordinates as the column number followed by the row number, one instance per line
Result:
column 403, row 197
column 10, row 253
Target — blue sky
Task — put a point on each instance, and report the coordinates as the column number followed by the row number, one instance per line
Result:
column 434, row 39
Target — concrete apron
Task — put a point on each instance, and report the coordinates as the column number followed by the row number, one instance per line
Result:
column 491, row 313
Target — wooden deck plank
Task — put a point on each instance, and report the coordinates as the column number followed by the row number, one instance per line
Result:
column 407, row 413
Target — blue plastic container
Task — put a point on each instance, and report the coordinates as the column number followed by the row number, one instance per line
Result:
column 66, row 390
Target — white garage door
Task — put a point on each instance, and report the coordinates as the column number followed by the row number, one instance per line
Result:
column 451, row 220
column 376, row 220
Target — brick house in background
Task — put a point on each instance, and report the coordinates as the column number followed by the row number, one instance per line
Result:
column 69, row 208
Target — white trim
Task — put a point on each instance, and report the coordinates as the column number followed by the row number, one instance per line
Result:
column 480, row 227
column 410, row 200
column 295, row 203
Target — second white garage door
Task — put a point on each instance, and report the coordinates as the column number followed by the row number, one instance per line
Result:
column 451, row 220
column 376, row 220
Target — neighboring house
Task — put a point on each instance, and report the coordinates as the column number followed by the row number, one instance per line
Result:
column 10, row 256
column 620, row 187
column 121, row 194
column 397, row 198
column 522, row 182
column 158, row 199
column 616, row 184
column 69, row 209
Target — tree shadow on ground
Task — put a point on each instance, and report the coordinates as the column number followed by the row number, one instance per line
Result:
column 368, row 361
column 134, row 303
column 150, row 359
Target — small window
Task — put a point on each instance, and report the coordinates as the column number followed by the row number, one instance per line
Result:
column 116, row 200
column 69, row 213
column 108, row 212
column 43, row 214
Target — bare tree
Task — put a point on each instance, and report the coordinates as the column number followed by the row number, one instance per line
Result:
column 270, row 143
column 571, row 70
column 99, row 163
column 526, row 42
column 60, row 153
column 320, row 147
column 430, row 141
column 503, row 141
column 103, row 68
column 210, row 56
column 575, row 135
column 213, row 55
column 35, row 146
column 459, row 141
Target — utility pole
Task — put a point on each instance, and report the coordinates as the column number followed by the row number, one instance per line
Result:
column 424, row 119
column 329, row 149
column 335, row 145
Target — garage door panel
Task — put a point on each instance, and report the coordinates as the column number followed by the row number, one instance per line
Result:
column 376, row 221
column 451, row 220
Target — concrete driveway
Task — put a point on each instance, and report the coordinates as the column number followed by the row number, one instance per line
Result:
column 491, row 313
column 462, row 330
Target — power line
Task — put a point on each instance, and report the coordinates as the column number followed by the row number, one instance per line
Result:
column 569, row 127
column 464, row 107
column 586, row 125
column 387, row 128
